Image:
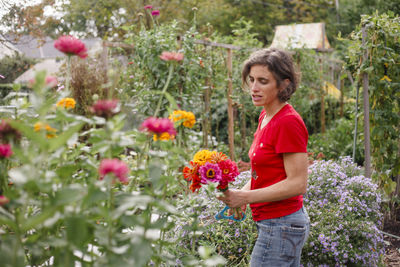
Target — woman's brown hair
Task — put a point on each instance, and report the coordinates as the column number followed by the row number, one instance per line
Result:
column 279, row 63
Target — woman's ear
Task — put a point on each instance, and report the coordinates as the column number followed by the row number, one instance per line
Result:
column 286, row 83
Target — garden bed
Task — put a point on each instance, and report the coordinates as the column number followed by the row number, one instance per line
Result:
column 392, row 251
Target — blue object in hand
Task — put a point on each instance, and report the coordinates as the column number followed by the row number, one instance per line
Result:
column 220, row 215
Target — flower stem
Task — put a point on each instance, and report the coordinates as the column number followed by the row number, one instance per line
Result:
column 68, row 73
column 171, row 68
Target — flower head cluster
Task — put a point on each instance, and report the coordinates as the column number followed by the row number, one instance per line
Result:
column 105, row 108
column 185, row 118
column 210, row 167
column 5, row 151
column 171, row 56
column 71, row 46
column 8, row 133
column 50, row 132
column 162, row 128
column 148, row 7
column 116, row 167
column 67, row 102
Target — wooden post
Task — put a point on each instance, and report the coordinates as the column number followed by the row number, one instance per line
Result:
column 322, row 104
column 341, row 114
column 231, row 133
column 367, row 144
column 206, row 121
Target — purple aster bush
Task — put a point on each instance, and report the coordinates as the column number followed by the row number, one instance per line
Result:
column 344, row 210
column 232, row 240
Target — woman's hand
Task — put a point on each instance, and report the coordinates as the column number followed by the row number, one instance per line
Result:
column 234, row 198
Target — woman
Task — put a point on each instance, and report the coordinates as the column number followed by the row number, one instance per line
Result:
column 278, row 162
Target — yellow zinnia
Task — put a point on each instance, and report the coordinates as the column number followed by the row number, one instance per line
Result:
column 203, row 156
column 66, row 103
column 50, row 132
column 187, row 118
column 163, row 137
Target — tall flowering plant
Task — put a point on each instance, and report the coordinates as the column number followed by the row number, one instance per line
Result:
column 211, row 167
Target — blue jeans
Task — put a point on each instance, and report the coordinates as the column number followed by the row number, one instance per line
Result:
column 280, row 240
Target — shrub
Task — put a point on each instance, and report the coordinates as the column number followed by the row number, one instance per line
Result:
column 344, row 209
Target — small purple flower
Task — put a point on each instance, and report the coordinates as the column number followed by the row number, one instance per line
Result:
column 155, row 13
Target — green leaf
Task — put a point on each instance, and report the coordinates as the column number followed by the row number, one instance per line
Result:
column 69, row 195
column 36, row 138
column 34, row 221
column 62, row 139
column 77, row 230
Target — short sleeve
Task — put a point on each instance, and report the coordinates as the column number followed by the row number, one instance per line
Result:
column 291, row 135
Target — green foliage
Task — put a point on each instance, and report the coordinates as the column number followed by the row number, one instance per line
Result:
column 338, row 141
column 382, row 44
column 11, row 67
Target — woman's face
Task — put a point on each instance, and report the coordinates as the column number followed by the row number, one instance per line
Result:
column 263, row 86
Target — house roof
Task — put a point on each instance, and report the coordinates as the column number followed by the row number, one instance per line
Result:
column 309, row 35
column 50, row 65
column 42, row 49
column 7, row 49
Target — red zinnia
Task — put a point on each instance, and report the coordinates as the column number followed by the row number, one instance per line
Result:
column 116, row 167
column 71, row 46
column 158, row 126
column 105, row 108
column 5, row 151
column 229, row 171
column 168, row 56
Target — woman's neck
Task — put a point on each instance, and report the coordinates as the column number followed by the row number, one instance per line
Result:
column 271, row 110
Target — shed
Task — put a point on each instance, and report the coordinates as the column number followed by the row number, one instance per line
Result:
column 308, row 35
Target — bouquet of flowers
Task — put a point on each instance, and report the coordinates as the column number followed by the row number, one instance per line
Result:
column 211, row 167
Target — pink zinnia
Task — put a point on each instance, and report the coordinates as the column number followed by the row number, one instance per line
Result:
column 155, row 13
column 51, row 81
column 5, row 151
column 210, row 172
column 105, row 108
column 158, row 126
column 148, row 7
column 115, row 167
column 168, row 56
column 71, row 46
column 2, row 77
column 3, row 200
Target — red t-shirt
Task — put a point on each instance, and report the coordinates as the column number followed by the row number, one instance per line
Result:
column 285, row 133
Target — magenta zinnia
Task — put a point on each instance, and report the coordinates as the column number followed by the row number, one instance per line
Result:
column 5, row 151
column 158, row 126
column 71, row 46
column 116, row 167
column 148, row 7
column 210, row 172
column 105, row 108
column 155, row 13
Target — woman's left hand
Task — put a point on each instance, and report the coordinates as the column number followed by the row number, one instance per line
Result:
column 233, row 198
